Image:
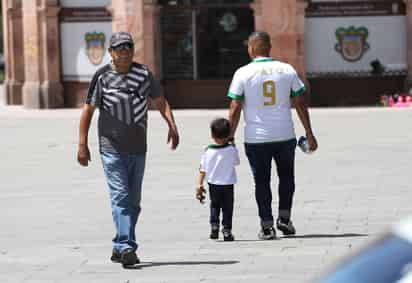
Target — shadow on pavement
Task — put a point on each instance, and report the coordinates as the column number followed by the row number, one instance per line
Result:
column 257, row 240
column 308, row 236
column 153, row 264
column 344, row 235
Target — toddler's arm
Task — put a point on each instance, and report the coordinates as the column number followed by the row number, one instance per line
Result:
column 200, row 190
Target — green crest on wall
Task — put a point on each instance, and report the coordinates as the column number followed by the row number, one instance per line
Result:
column 95, row 49
column 352, row 42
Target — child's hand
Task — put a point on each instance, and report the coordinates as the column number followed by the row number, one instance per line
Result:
column 200, row 190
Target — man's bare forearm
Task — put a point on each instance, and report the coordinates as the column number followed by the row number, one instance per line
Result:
column 234, row 115
column 201, row 178
column 303, row 114
column 165, row 110
column 85, row 119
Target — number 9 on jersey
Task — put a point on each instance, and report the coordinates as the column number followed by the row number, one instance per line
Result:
column 269, row 91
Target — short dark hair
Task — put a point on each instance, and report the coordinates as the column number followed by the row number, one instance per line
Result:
column 220, row 128
column 261, row 42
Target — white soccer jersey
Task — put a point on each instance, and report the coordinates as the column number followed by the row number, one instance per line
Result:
column 266, row 87
column 218, row 162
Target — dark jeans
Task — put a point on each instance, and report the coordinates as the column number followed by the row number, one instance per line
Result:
column 260, row 159
column 221, row 198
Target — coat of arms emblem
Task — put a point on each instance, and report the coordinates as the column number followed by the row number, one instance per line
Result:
column 95, row 47
column 352, row 42
column 228, row 22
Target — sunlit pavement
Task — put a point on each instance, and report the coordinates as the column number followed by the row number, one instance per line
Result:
column 56, row 226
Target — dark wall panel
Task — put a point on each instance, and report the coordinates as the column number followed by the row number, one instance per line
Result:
column 362, row 91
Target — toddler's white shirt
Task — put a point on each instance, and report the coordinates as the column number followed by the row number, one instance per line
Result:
column 218, row 162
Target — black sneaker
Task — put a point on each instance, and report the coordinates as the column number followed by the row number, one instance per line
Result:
column 228, row 236
column 115, row 256
column 286, row 228
column 267, row 234
column 128, row 257
column 214, row 234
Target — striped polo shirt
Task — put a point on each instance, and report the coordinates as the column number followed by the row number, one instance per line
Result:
column 122, row 100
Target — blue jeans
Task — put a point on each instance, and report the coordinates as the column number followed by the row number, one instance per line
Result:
column 260, row 159
column 124, row 174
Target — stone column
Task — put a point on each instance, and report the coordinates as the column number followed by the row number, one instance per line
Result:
column 300, row 34
column 31, row 36
column 51, row 87
column 142, row 19
column 284, row 21
column 128, row 16
column 409, row 39
column 42, row 87
column 13, row 51
column 151, row 37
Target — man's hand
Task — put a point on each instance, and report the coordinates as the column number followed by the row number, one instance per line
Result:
column 83, row 155
column 313, row 144
column 303, row 114
column 200, row 191
column 173, row 137
column 164, row 108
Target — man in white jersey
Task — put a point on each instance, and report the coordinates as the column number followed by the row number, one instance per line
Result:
column 265, row 89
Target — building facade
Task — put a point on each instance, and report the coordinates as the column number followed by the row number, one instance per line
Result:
column 349, row 52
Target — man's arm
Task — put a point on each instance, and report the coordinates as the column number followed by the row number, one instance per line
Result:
column 165, row 110
column 235, row 110
column 303, row 114
column 83, row 154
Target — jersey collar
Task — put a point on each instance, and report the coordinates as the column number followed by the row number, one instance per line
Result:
column 215, row 146
column 262, row 59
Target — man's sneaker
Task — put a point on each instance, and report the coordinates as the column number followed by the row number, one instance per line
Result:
column 267, row 234
column 286, row 228
column 214, row 234
column 128, row 257
column 115, row 256
column 228, row 236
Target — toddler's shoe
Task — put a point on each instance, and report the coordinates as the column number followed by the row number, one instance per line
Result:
column 214, row 234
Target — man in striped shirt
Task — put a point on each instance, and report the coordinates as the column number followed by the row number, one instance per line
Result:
column 121, row 90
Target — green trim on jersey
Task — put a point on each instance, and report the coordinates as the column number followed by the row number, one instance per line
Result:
column 298, row 93
column 265, row 59
column 217, row 146
column 236, row 96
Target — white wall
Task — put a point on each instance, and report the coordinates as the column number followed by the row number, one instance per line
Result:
column 84, row 3
column 387, row 39
column 75, row 63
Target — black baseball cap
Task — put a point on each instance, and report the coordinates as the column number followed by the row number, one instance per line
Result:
column 119, row 38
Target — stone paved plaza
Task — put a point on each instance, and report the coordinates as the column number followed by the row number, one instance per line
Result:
column 56, row 226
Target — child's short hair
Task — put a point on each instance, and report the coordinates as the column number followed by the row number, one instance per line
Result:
column 220, row 128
